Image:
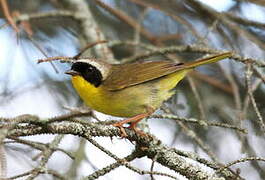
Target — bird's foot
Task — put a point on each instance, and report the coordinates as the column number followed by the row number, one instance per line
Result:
column 133, row 120
column 122, row 129
column 132, row 126
column 137, row 131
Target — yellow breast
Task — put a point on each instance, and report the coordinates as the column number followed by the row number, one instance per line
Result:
column 125, row 103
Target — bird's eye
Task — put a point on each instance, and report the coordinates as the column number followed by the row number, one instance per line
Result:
column 91, row 74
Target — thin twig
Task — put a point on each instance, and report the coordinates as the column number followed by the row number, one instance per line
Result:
column 127, row 19
column 87, row 47
column 38, row 145
column 46, row 156
column 197, row 97
column 8, row 15
column 199, row 122
column 43, row 52
column 252, row 99
column 152, row 167
column 240, row 161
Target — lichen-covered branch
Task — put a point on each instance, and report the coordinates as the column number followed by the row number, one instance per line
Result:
column 149, row 146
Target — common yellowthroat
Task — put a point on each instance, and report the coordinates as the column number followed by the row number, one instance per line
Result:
column 132, row 90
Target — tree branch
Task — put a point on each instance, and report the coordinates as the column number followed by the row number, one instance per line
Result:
column 150, row 146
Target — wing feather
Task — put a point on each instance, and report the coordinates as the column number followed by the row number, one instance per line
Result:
column 125, row 75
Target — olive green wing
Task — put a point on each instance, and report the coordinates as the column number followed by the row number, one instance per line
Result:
column 125, row 75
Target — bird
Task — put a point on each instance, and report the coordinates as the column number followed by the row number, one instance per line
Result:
column 131, row 90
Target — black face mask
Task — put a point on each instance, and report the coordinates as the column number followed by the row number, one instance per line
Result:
column 88, row 72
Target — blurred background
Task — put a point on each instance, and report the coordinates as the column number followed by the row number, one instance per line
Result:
column 220, row 92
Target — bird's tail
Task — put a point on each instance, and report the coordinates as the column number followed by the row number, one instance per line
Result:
column 208, row 60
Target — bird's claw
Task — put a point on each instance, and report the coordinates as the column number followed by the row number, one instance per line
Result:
column 122, row 129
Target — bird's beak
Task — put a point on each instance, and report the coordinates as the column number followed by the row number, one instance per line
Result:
column 72, row 73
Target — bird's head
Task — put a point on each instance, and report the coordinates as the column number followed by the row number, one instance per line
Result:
column 92, row 70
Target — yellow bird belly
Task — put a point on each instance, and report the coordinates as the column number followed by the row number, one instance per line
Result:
column 129, row 101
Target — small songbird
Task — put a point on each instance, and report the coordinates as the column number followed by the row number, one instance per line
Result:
column 133, row 90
